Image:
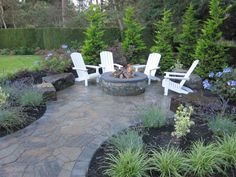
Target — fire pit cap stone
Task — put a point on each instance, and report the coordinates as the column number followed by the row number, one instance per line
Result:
column 137, row 77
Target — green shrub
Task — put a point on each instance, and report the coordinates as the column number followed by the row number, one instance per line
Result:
column 182, row 121
column 127, row 140
column 55, row 64
column 222, row 125
column 93, row 43
column 188, row 38
column 211, row 55
column 164, row 41
column 132, row 45
column 168, row 162
column 127, row 164
column 227, row 147
column 203, row 160
column 12, row 119
column 153, row 117
column 3, row 97
column 30, row 98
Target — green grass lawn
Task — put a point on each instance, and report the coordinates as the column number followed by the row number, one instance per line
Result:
column 14, row 63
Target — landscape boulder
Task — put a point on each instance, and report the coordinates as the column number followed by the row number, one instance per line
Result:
column 48, row 91
column 60, row 81
column 195, row 82
column 202, row 103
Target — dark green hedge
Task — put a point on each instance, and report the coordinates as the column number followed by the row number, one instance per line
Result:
column 47, row 38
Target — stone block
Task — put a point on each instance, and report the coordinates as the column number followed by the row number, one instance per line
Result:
column 60, row 81
column 48, row 91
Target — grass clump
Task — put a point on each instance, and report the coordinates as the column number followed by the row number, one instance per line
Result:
column 222, row 125
column 227, row 147
column 129, row 140
column 168, row 162
column 153, row 117
column 30, row 98
column 3, row 97
column 127, row 164
column 11, row 120
column 203, row 160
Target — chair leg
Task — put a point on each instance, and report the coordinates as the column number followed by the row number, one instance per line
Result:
column 166, row 91
column 149, row 81
column 86, row 82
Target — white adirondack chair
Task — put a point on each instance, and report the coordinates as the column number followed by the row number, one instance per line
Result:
column 81, row 70
column 183, row 77
column 107, row 63
column 151, row 67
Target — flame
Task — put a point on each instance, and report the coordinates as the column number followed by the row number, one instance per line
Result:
column 129, row 68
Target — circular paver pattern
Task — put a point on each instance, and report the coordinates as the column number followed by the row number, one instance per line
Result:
column 62, row 142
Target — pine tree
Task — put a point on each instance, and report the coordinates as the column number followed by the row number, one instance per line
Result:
column 94, row 43
column 211, row 55
column 164, row 41
column 132, row 45
column 188, row 38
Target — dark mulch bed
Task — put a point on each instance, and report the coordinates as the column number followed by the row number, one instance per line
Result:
column 32, row 113
column 154, row 138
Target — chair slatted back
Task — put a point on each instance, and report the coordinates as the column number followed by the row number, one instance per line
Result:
column 189, row 72
column 78, row 62
column 153, row 61
column 107, row 61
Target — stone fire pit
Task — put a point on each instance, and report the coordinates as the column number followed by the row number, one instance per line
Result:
column 123, row 87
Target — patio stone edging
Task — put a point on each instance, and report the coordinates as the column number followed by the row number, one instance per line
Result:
column 83, row 161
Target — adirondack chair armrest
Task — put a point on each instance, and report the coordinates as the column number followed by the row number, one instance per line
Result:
column 154, row 68
column 94, row 67
column 174, row 74
column 176, row 78
column 102, row 66
column 81, row 69
column 117, row 65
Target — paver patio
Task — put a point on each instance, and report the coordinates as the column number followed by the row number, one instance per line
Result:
column 61, row 143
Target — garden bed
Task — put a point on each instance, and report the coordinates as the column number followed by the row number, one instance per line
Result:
column 154, row 139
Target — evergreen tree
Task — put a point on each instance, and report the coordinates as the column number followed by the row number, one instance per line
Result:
column 188, row 38
column 164, row 41
column 94, row 43
column 132, row 45
column 211, row 55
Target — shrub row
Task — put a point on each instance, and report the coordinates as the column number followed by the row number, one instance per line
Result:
column 47, row 38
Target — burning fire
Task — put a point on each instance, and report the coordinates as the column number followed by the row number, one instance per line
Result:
column 124, row 73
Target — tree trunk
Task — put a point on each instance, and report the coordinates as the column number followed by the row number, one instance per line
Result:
column 64, row 4
column 119, row 20
column 2, row 14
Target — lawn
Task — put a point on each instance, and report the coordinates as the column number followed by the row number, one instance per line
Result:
column 12, row 64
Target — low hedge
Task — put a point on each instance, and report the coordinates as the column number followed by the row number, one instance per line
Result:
column 47, row 38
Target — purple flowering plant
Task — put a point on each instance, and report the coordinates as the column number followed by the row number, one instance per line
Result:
column 57, row 61
column 223, row 84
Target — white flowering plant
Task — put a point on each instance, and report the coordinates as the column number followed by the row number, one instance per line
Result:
column 223, row 84
column 182, row 121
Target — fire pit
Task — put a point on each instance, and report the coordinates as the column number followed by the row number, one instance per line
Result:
column 123, row 82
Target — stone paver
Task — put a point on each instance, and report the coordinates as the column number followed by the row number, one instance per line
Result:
column 62, row 142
